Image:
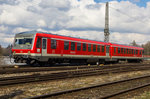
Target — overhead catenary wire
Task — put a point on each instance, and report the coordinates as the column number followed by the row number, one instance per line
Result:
column 123, row 13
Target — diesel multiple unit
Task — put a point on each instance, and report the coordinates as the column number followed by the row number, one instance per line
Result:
column 37, row 47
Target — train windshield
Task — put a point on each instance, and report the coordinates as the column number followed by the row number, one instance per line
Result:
column 23, row 43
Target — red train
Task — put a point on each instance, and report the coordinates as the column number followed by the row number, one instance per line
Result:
column 37, row 47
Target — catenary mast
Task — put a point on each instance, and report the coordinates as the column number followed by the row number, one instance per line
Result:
column 106, row 30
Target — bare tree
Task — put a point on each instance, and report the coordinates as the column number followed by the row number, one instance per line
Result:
column 7, row 50
column 146, row 48
column 1, row 51
column 134, row 44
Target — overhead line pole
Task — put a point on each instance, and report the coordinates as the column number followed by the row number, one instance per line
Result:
column 106, row 30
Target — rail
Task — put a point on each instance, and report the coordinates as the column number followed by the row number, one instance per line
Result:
column 98, row 85
column 67, row 74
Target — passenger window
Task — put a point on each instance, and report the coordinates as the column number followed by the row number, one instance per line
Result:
column 141, row 52
column 66, row 45
column 73, row 46
column 114, row 50
column 136, row 51
column 119, row 50
column 38, row 43
column 94, row 48
column 78, row 46
column 124, row 50
column 89, row 47
column 98, row 48
column 132, row 51
column 53, row 44
column 84, row 47
column 103, row 49
column 127, row 51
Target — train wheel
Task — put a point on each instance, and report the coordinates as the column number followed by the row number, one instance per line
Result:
column 31, row 62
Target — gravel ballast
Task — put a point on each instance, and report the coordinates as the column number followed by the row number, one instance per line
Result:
column 32, row 89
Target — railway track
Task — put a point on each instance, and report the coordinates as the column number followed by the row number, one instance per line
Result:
column 101, row 93
column 67, row 74
column 24, row 69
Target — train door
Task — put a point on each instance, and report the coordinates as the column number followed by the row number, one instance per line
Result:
column 44, row 46
column 107, row 50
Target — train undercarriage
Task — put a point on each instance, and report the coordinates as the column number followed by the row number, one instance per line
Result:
column 51, row 61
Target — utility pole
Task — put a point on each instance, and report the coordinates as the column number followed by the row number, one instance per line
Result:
column 106, row 30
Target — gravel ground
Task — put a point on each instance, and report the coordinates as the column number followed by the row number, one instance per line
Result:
column 31, row 73
column 143, row 93
column 28, row 73
column 5, row 60
column 39, row 88
column 96, row 93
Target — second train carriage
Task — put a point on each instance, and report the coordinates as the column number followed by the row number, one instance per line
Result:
column 38, row 47
column 126, row 53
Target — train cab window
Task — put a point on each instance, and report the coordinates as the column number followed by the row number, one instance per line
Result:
column 84, row 47
column 103, row 49
column 53, row 44
column 78, row 46
column 89, row 47
column 98, row 48
column 94, row 48
column 38, row 43
column 66, row 45
column 114, row 50
column 118, row 50
column 73, row 46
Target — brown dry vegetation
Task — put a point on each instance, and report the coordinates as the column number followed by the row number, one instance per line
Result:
column 145, row 95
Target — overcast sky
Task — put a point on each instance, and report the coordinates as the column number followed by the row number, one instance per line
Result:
column 129, row 19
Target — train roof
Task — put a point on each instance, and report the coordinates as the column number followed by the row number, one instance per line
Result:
column 39, row 33
column 26, row 34
column 75, row 38
column 126, row 46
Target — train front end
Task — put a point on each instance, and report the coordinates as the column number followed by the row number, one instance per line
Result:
column 23, row 47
